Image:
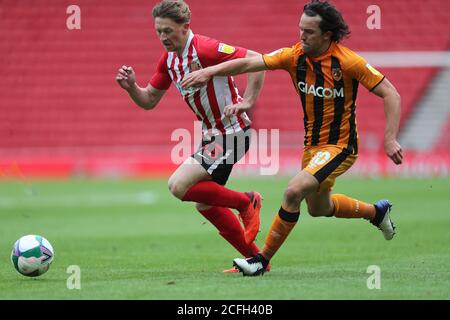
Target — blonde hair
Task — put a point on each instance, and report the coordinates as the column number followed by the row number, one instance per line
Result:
column 175, row 10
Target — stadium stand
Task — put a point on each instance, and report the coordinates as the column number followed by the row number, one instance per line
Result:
column 62, row 112
column 443, row 144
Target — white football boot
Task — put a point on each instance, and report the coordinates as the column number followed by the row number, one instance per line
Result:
column 383, row 220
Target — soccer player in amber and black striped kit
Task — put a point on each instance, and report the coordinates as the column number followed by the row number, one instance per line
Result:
column 326, row 75
column 220, row 108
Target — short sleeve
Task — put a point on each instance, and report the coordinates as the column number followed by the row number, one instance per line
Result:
column 212, row 52
column 279, row 59
column 161, row 79
column 367, row 75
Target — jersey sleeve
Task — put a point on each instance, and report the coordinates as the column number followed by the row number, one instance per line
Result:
column 212, row 51
column 279, row 59
column 161, row 79
column 367, row 75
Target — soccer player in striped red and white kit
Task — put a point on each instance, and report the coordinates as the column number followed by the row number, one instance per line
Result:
column 218, row 105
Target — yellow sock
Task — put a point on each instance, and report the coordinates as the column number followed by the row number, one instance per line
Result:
column 345, row 207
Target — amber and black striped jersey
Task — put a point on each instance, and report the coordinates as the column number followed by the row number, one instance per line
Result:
column 328, row 87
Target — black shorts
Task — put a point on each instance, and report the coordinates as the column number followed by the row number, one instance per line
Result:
column 219, row 153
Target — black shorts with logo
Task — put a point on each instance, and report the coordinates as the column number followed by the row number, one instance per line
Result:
column 219, row 153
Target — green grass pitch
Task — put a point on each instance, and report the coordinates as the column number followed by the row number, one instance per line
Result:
column 133, row 240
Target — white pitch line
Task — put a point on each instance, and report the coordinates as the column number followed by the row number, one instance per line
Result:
column 81, row 200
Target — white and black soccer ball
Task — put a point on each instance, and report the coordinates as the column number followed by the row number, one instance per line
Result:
column 32, row 255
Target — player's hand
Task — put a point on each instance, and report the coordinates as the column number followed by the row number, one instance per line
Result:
column 196, row 79
column 126, row 77
column 237, row 109
column 393, row 151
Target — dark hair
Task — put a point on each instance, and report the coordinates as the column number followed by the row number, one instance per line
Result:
column 175, row 10
column 331, row 19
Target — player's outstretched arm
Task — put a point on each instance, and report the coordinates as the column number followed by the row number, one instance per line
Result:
column 146, row 98
column 392, row 111
column 254, row 85
column 229, row 68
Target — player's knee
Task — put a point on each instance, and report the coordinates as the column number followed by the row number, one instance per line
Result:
column 176, row 188
column 293, row 196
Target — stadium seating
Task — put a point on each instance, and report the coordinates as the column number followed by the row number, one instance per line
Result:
column 443, row 144
column 59, row 95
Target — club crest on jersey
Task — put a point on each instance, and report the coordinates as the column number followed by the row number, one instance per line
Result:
column 337, row 74
column 225, row 48
column 194, row 66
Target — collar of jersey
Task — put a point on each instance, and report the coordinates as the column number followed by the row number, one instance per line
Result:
column 325, row 54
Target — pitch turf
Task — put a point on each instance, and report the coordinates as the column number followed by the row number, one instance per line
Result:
column 132, row 240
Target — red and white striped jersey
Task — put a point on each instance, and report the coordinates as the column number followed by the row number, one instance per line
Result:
column 209, row 101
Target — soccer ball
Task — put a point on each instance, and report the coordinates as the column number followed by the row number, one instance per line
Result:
column 32, row 255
